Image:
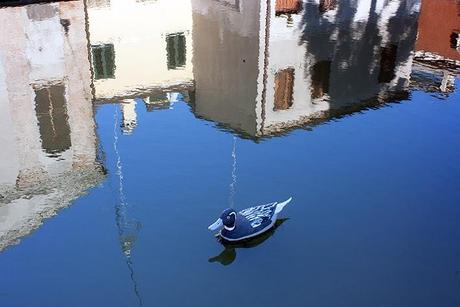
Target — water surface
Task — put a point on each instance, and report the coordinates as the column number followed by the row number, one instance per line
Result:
column 128, row 126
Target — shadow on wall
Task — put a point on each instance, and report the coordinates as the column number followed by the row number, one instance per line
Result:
column 360, row 54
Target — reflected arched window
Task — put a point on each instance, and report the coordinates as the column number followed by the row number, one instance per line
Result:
column 51, row 110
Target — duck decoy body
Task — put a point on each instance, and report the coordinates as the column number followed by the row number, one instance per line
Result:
column 247, row 223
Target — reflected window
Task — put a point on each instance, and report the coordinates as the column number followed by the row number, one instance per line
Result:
column 176, row 50
column 51, row 110
column 320, row 79
column 284, row 88
column 387, row 63
column 454, row 40
column 287, row 7
column 327, row 5
column 103, row 61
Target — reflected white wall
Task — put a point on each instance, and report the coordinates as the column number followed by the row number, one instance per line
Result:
column 43, row 50
column 138, row 32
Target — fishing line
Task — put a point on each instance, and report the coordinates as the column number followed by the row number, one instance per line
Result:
column 233, row 184
column 120, row 211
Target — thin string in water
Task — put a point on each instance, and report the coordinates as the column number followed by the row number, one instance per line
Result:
column 120, row 213
column 233, row 184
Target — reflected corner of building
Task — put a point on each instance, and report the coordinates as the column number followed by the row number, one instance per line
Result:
column 50, row 154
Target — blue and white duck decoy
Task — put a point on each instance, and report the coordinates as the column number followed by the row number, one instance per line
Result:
column 247, row 223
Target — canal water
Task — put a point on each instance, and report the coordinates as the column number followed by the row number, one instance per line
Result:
column 128, row 126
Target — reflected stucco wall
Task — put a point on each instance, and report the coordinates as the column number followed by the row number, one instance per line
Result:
column 226, row 61
column 48, row 129
column 138, row 46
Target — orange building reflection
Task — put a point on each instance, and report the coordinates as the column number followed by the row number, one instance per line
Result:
column 439, row 28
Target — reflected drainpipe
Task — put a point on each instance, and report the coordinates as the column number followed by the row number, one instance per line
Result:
column 88, row 46
column 265, row 74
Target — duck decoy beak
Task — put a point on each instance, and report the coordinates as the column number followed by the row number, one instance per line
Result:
column 216, row 225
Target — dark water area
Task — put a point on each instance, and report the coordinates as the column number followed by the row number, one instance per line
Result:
column 128, row 126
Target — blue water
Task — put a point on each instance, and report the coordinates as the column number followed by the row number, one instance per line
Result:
column 374, row 220
column 369, row 151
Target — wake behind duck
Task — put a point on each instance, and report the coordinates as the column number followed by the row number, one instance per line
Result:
column 247, row 223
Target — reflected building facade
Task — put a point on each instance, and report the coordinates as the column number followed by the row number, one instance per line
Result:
column 437, row 56
column 48, row 131
column 226, row 44
column 143, row 58
column 263, row 67
column 259, row 68
column 442, row 39
column 146, row 49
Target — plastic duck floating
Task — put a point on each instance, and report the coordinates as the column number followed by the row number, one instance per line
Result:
column 247, row 223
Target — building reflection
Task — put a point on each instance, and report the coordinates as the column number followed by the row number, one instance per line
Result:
column 263, row 67
column 437, row 55
column 258, row 68
column 143, row 59
column 150, row 51
column 442, row 39
column 48, row 131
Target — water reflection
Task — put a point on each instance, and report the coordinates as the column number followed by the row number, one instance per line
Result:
column 256, row 68
column 150, row 51
column 339, row 53
column 261, row 68
column 49, row 154
column 127, row 226
column 228, row 255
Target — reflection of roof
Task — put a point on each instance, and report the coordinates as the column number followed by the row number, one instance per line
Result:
column 429, row 80
column 157, row 105
column 437, row 62
column 148, row 92
column 317, row 118
column 320, row 117
column 22, row 210
column 433, row 73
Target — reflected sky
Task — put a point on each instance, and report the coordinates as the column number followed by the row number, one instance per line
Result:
column 145, row 119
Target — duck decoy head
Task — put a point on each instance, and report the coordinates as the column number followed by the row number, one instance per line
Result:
column 227, row 220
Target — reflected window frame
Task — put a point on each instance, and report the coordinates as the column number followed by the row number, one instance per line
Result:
column 284, row 89
column 103, row 61
column 176, row 50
